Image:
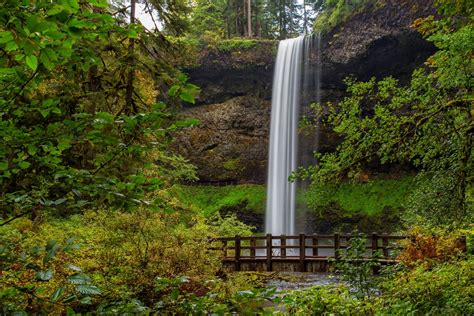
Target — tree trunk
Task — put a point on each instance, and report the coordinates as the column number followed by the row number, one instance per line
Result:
column 249, row 18
column 129, row 104
column 305, row 17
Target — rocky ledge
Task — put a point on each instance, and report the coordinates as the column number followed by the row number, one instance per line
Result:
column 234, row 106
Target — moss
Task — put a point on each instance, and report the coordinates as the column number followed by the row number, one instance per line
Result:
column 236, row 44
column 340, row 11
column 231, row 164
column 371, row 198
column 211, row 199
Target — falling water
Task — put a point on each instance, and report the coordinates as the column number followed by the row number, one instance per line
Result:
column 294, row 88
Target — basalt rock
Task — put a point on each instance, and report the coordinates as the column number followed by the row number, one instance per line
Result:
column 231, row 141
column 234, row 106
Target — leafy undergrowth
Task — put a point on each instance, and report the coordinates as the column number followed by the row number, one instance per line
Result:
column 144, row 263
column 211, row 199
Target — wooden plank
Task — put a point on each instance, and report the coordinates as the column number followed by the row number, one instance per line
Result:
column 253, row 244
column 253, row 238
column 315, row 246
column 283, row 246
column 375, row 245
column 253, row 247
column 302, row 252
column 224, row 247
column 269, row 252
column 286, row 237
column 386, row 251
column 324, row 246
column 237, row 253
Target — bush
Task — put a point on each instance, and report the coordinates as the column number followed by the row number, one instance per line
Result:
column 325, row 300
column 429, row 248
column 445, row 289
column 123, row 253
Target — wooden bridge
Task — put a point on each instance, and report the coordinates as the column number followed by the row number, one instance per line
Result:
column 302, row 253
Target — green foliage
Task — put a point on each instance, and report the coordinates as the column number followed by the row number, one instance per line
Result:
column 269, row 19
column 446, row 289
column 325, row 300
column 211, row 199
column 433, row 195
column 236, row 44
column 357, row 268
column 229, row 226
column 427, row 123
column 333, row 12
column 71, row 135
column 40, row 279
column 372, row 197
column 121, row 254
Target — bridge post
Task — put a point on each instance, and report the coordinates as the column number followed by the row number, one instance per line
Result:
column 237, row 253
column 283, row 246
column 375, row 246
column 252, row 249
column 337, row 245
column 315, row 244
column 302, row 252
column 386, row 251
column 269, row 252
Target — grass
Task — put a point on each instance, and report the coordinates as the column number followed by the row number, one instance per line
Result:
column 371, row 198
column 210, row 199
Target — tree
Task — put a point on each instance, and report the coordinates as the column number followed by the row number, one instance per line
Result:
column 428, row 123
column 69, row 137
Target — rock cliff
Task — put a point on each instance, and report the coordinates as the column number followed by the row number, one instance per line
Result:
column 234, row 107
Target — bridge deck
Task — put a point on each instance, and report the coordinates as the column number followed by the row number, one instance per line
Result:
column 302, row 253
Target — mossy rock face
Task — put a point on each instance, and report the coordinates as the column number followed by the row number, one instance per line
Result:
column 231, row 143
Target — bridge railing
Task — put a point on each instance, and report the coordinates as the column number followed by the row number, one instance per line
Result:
column 302, row 249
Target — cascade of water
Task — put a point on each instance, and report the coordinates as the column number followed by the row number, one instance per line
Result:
column 283, row 138
column 295, row 83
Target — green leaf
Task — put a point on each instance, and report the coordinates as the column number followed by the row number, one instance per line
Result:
column 45, row 112
column 86, row 300
column 5, row 37
column 51, row 249
column 182, row 78
column 44, row 275
column 73, row 4
column 3, row 166
column 187, row 97
column 57, row 294
column 99, row 3
column 32, row 62
column 11, row 46
column 24, row 164
column 173, row 90
column 73, row 267
column 79, row 278
column 56, row 9
column 7, row 71
column 88, row 290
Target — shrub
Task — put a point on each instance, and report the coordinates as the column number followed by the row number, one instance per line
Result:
column 124, row 253
column 356, row 269
column 325, row 300
column 446, row 288
column 429, row 247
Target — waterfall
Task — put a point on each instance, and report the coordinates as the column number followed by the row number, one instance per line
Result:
column 295, row 86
